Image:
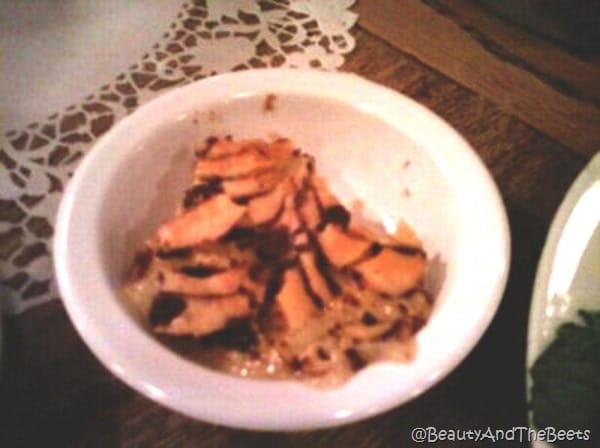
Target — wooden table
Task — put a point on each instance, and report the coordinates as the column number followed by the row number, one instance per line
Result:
column 532, row 112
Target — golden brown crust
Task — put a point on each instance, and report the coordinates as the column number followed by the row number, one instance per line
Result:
column 206, row 222
column 391, row 272
column 219, row 283
column 293, row 300
column 341, row 248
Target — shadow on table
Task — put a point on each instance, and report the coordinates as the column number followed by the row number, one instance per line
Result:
column 53, row 392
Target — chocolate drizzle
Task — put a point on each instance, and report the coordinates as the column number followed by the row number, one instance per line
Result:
column 356, row 361
column 202, row 192
column 274, row 284
column 141, row 263
column 167, row 254
column 200, row 271
column 335, row 214
column 238, row 335
column 408, row 250
column 165, row 307
column 317, row 300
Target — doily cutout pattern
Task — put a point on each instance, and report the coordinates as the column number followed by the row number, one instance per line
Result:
column 207, row 37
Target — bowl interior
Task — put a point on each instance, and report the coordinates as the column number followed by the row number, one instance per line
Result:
column 372, row 145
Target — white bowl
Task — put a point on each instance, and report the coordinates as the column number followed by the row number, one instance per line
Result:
column 372, row 144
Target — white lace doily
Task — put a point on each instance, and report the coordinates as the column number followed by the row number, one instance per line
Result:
column 207, row 37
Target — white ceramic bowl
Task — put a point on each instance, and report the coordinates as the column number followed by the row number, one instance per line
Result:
column 372, row 144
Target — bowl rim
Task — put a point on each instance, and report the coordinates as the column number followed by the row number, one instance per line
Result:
column 127, row 362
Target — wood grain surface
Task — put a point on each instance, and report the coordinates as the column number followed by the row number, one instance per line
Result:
column 532, row 134
column 473, row 48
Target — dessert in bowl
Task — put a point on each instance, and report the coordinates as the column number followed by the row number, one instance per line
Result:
column 386, row 159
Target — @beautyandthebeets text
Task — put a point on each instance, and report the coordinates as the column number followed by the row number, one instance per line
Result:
column 520, row 434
